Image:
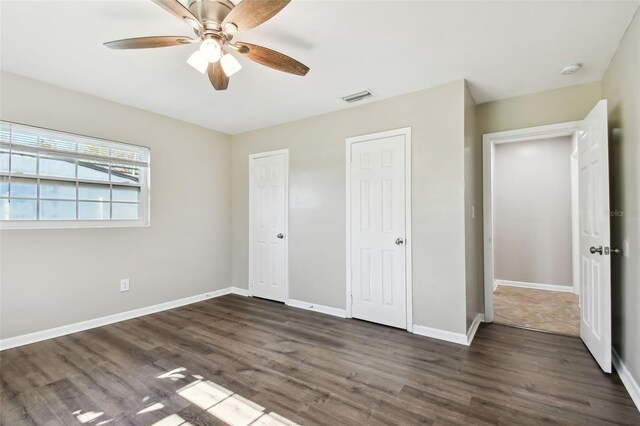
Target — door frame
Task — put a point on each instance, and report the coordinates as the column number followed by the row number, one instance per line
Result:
column 575, row 218
column 252, row 158
column 406, row 132
column 489, row 142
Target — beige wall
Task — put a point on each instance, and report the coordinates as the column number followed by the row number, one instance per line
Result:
column 317, row 200
column 474, row 267
column 532, row 211
column 621, row 87
column 51, row 278
column 538, row 109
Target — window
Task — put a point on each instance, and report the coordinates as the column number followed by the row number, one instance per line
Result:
column 55, row 179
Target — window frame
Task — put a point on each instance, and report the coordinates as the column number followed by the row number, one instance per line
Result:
column 144, row 167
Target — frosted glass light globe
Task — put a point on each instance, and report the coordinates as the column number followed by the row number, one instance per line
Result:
column 230, row 65
column 211, row 50
column 198, row 62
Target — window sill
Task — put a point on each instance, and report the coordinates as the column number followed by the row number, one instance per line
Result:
column 71, row 224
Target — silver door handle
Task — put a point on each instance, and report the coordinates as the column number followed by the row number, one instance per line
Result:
column 594, row 250
column 616, row 251
column 399, row 241
column 280, row 235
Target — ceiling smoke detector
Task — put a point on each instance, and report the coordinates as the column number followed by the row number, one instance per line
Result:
column 358, row 96
column 571, row 69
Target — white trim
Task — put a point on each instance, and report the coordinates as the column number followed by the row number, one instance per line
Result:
column 64, row 330
column 533, row 133
column 51, row 333
column 575, row 217
column 237, row 290
column 252, row 157
column 328, row 310
column 71, row 224
column 406, row 132
column 489, row 141
column 144, row 183
column 474, row 327
column 628, row 380
column 536, row 286
column 449, row 336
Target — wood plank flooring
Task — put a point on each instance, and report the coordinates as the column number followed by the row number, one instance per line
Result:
column 239, row 360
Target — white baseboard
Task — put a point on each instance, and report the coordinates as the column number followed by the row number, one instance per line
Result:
column 449, row 336
column 462, row 339
column 239, row 291
column 342, row 313
column 536, row 286
column 51, row 333
column 627, row 379
column 474, row 327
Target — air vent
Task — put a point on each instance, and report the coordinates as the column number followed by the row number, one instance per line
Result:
column 357, row 96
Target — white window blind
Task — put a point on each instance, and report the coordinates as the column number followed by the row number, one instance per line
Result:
column 61, row 179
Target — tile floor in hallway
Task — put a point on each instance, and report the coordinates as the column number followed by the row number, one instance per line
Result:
column 552, row 311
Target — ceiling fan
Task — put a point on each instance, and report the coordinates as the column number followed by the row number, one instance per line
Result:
column 215, row 22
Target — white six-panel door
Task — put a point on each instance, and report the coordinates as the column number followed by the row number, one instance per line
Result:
column 378, row 231
column 268, row 208
column 595, row 259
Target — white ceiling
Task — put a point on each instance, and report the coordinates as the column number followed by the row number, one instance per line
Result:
column 503, row 48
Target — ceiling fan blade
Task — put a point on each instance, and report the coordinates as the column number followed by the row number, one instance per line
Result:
column 149, row 42
column 176, row 8
column 251, row 13
column 217, row 77
column 271, row 58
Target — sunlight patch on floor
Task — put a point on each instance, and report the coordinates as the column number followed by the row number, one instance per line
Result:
column 220, row 402
column 171, row 420
column 173, row 374
column 213, row 399
column 87, row 417
column 150, row 408
column 204, row 394
column 237, row 410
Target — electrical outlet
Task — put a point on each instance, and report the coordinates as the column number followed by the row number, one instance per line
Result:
column 124, row 284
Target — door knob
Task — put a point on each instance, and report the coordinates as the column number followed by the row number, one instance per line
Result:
column 399, row 241
column 594, row 250
column 616, row 251
column 280, row 235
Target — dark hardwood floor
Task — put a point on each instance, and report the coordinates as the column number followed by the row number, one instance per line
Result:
column 244, row 360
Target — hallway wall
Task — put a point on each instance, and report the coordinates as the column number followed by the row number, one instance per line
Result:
column 532, row 211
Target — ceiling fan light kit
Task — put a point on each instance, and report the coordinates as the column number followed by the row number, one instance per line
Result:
column 211, row 51
column 230, row 65
column 198, row 62
column 215, row 22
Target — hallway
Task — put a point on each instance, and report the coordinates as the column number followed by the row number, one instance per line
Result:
column 543, row 310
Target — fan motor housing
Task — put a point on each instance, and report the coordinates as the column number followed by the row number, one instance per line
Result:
column 210, row 11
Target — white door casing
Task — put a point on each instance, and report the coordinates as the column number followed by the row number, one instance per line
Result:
column 595, row 259
column 377, row 226
column 593, row 222
column 489, row 143
column 268, row 225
